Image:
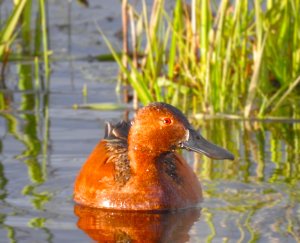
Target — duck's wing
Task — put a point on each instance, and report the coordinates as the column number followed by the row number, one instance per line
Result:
column 106, row 167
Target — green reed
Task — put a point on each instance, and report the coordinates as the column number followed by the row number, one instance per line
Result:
column 7, row 33
column 30, row 32
column 237, row 57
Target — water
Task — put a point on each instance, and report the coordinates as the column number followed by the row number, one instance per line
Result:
column 44, row 142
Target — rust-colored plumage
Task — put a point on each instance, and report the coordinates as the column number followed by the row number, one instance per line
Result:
column 136, row 167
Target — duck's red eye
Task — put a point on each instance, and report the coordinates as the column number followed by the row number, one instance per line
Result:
column 167, row 121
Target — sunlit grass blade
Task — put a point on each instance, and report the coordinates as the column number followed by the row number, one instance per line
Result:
column 45, row 41
column 254, row 80
column 291, row 87
column 134, row 77
column 10, row 26
column 102, row 106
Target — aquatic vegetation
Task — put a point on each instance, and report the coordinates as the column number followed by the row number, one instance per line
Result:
column 214, row 57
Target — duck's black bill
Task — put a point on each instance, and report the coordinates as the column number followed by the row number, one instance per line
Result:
column 199, row 144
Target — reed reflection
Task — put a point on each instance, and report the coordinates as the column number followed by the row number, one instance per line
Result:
column 127, row 226
column 28, row 125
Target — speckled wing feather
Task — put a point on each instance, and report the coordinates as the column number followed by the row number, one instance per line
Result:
column 117, row 147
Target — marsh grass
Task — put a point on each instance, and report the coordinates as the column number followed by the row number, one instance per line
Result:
column 240, row 57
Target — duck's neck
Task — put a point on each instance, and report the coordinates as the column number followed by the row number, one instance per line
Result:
column 141, row 159
column 144, row 148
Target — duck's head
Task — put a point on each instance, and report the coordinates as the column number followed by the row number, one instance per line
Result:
column 159, row 128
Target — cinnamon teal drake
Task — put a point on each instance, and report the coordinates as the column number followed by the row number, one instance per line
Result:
column 136, row 166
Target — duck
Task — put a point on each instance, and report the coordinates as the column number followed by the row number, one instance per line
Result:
column 137, row 166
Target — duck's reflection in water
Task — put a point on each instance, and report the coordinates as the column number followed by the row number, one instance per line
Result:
column 129, row 226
